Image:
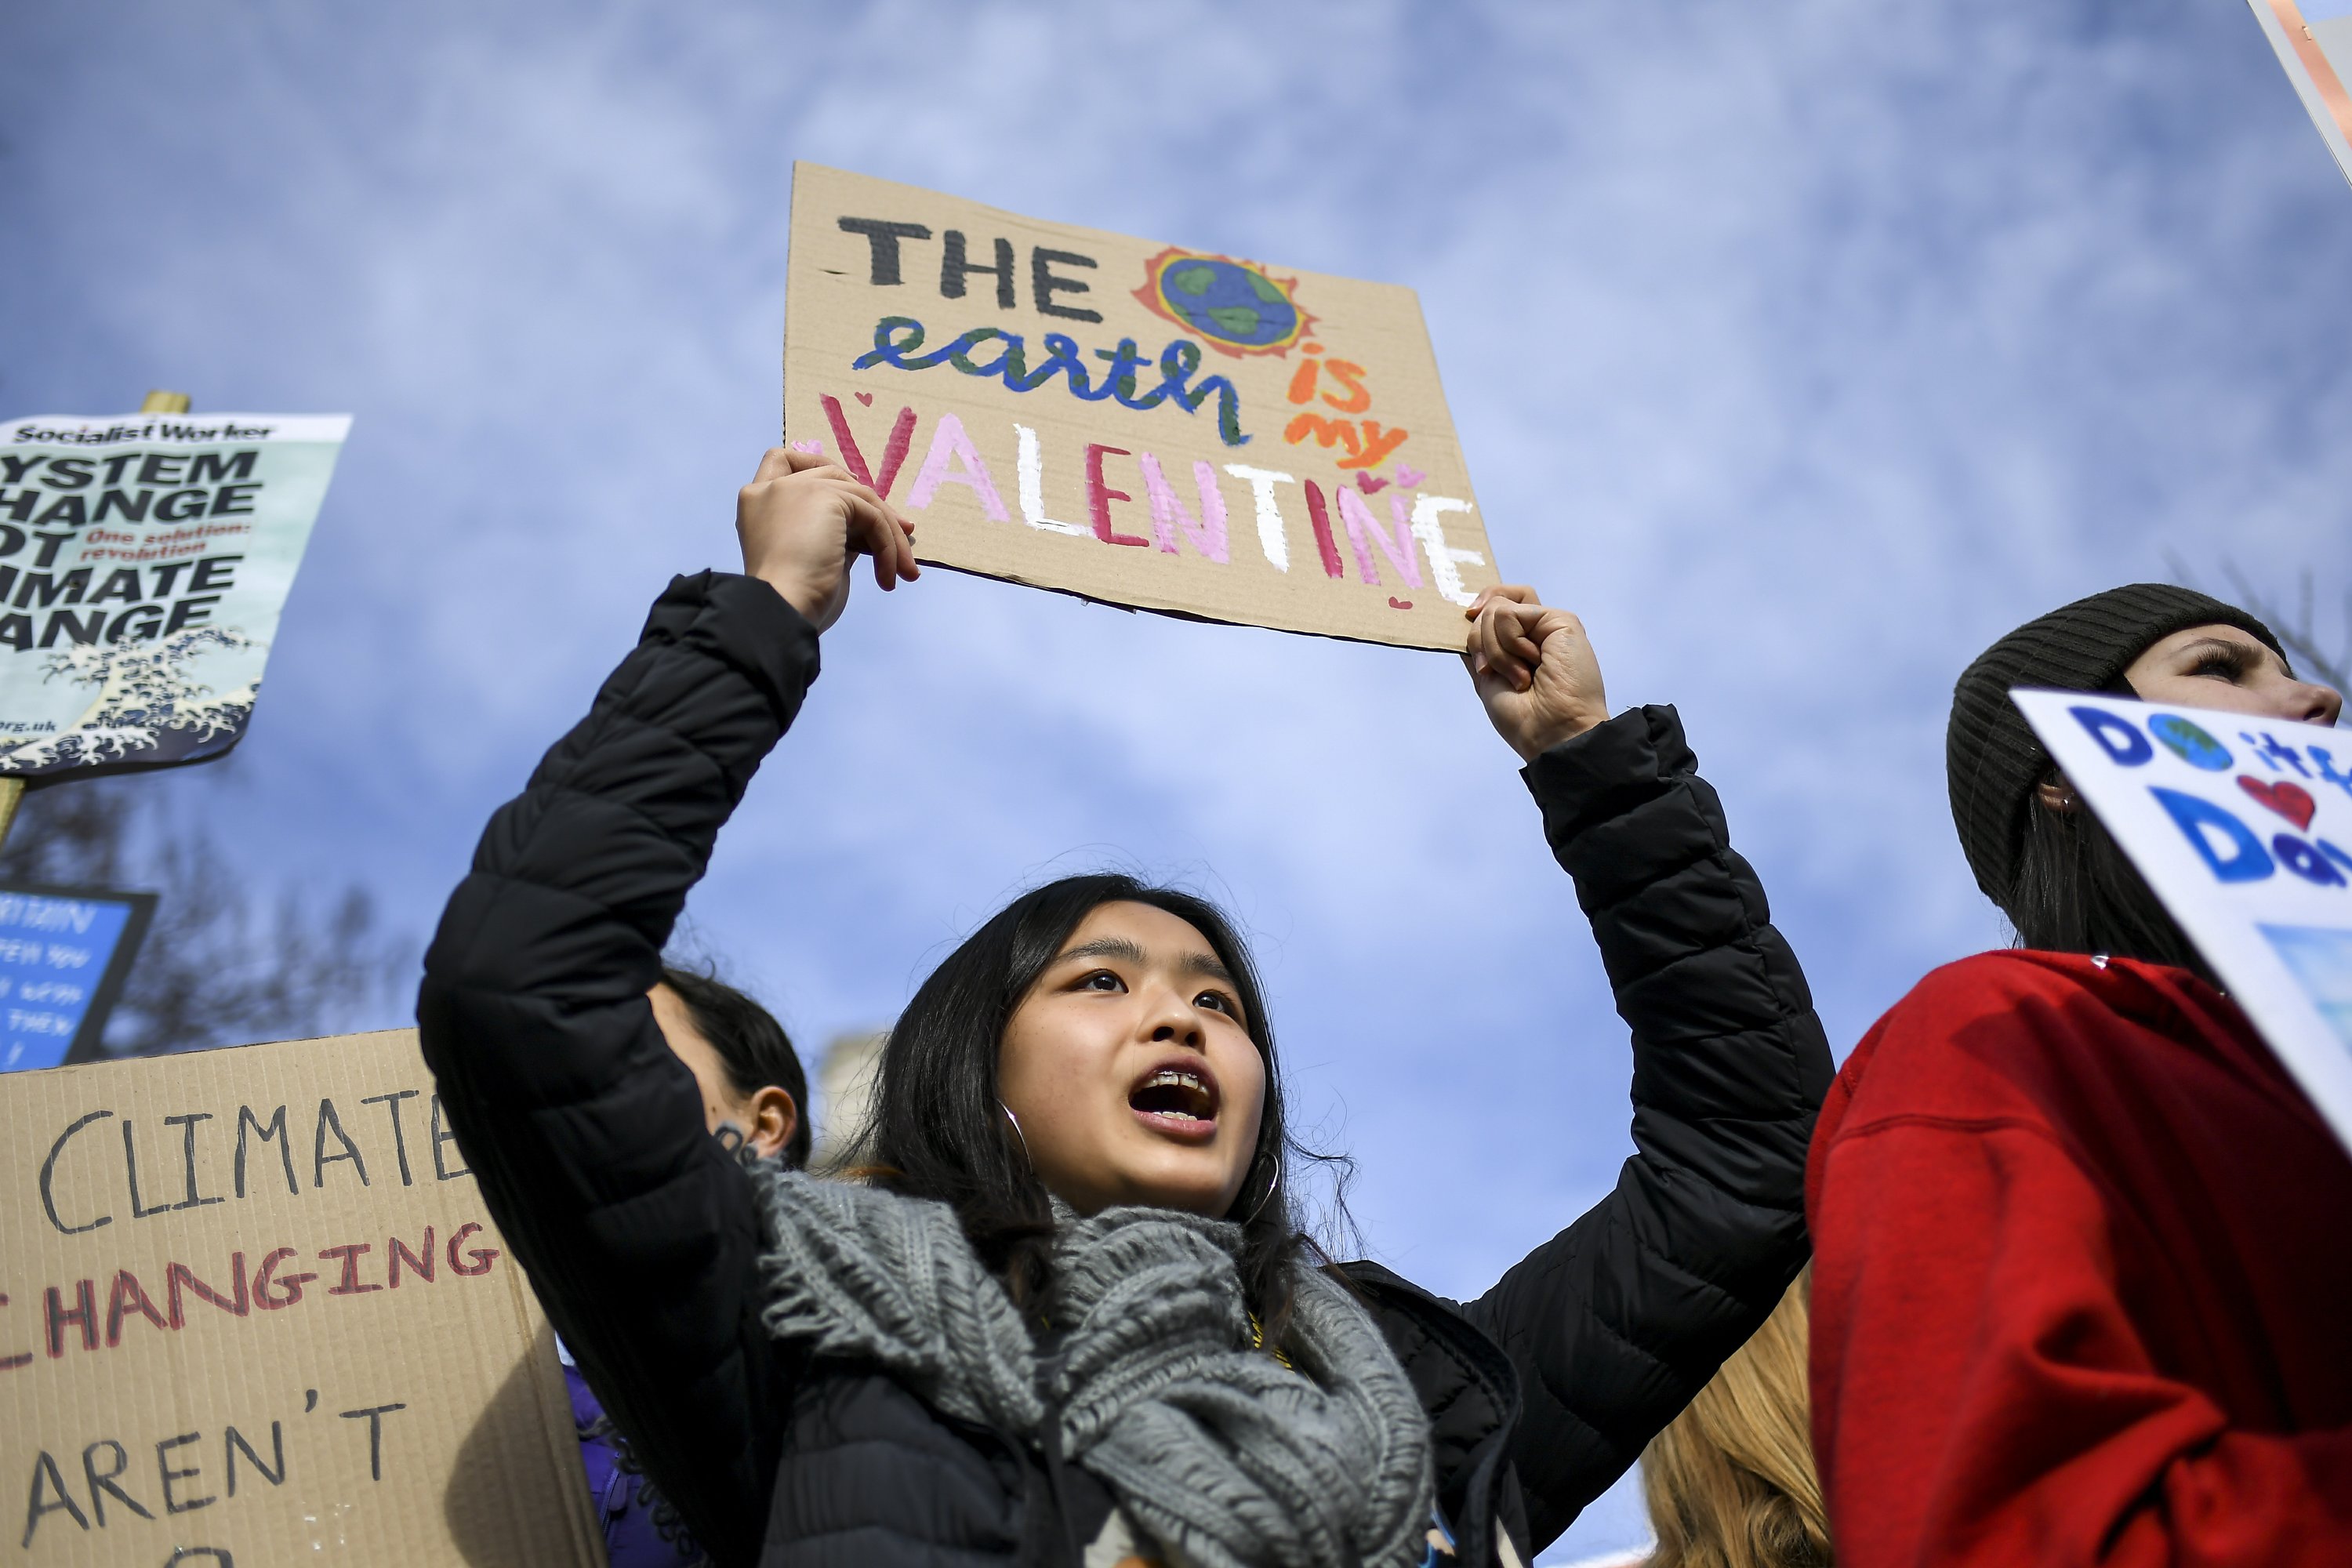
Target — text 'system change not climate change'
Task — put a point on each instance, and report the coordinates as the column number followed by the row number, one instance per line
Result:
column 143, row 563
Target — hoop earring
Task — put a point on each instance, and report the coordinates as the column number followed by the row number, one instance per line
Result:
column 1018, row 1133
column 1270, row 1189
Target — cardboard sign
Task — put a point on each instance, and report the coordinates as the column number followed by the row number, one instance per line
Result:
column 2312, row 39
column 64, row 956
column 252, row 1313
column 1132, row 422
column 143, row 561
column 2243, row 828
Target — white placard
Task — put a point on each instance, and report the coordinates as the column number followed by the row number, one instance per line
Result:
column 2312, row 39
column 143, row 563
column 2243, row 828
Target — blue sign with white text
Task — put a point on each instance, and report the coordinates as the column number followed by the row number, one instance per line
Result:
column 62, row 955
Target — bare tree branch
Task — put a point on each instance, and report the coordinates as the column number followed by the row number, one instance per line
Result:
column 223, row 963
column 2298, row 632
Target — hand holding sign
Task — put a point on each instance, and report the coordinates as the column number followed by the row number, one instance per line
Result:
column 803, row 521
column 1534, row 668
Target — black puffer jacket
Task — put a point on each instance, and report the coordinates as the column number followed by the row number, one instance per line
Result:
column 639, row 1233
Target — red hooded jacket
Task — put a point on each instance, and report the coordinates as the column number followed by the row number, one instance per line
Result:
column 2083, row 1280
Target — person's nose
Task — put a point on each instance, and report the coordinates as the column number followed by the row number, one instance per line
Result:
column 2318, row 704
column 1171, row 1019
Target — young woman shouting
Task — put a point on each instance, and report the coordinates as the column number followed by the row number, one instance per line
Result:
column 1068, row 1317
column 2082, row 1284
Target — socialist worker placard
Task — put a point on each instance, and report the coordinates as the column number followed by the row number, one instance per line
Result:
column 143, row 562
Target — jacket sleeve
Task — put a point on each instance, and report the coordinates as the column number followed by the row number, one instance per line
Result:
column 637, row 1230
column 1615, row 1323
column 1982, row 1397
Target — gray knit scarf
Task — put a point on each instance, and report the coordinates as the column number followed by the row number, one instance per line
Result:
column 1219, row 1452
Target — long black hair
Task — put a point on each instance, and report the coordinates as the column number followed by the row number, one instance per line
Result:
column 2077, row 892
column 937, row 1130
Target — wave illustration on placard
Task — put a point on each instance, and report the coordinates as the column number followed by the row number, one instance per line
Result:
column 149, row 707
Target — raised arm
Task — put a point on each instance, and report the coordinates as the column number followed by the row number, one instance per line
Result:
column 1615, row 1323
column 638, row 1229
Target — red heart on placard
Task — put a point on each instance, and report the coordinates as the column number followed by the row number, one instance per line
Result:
column 866, row 398
column 1369, row 484
column 2290, row 801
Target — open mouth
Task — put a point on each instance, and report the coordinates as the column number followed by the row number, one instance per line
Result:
column 1177, row 1097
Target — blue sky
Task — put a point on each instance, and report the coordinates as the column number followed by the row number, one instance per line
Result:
column 1802, row 349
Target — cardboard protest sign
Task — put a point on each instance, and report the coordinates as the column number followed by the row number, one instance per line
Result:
column 2243, row 828
column 143, row 561
column 2312, row 39
column 1137, row 423
column 252, row 1313
column 64, row 956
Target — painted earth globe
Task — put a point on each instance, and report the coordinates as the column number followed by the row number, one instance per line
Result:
column 1229, row 303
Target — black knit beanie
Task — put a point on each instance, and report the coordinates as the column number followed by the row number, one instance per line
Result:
column 1991, row 759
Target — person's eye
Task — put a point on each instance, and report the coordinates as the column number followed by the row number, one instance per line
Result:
column 1218, row 1002
column 1101, row 980
column 2218, row 666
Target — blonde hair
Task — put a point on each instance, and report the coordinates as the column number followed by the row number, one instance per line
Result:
column 1731, row 1484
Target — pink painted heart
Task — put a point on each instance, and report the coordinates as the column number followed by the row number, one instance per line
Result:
column 809, row 446
column 1408, row 476
column 1370, row 486
column 2290, row 801
column 865, row 399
